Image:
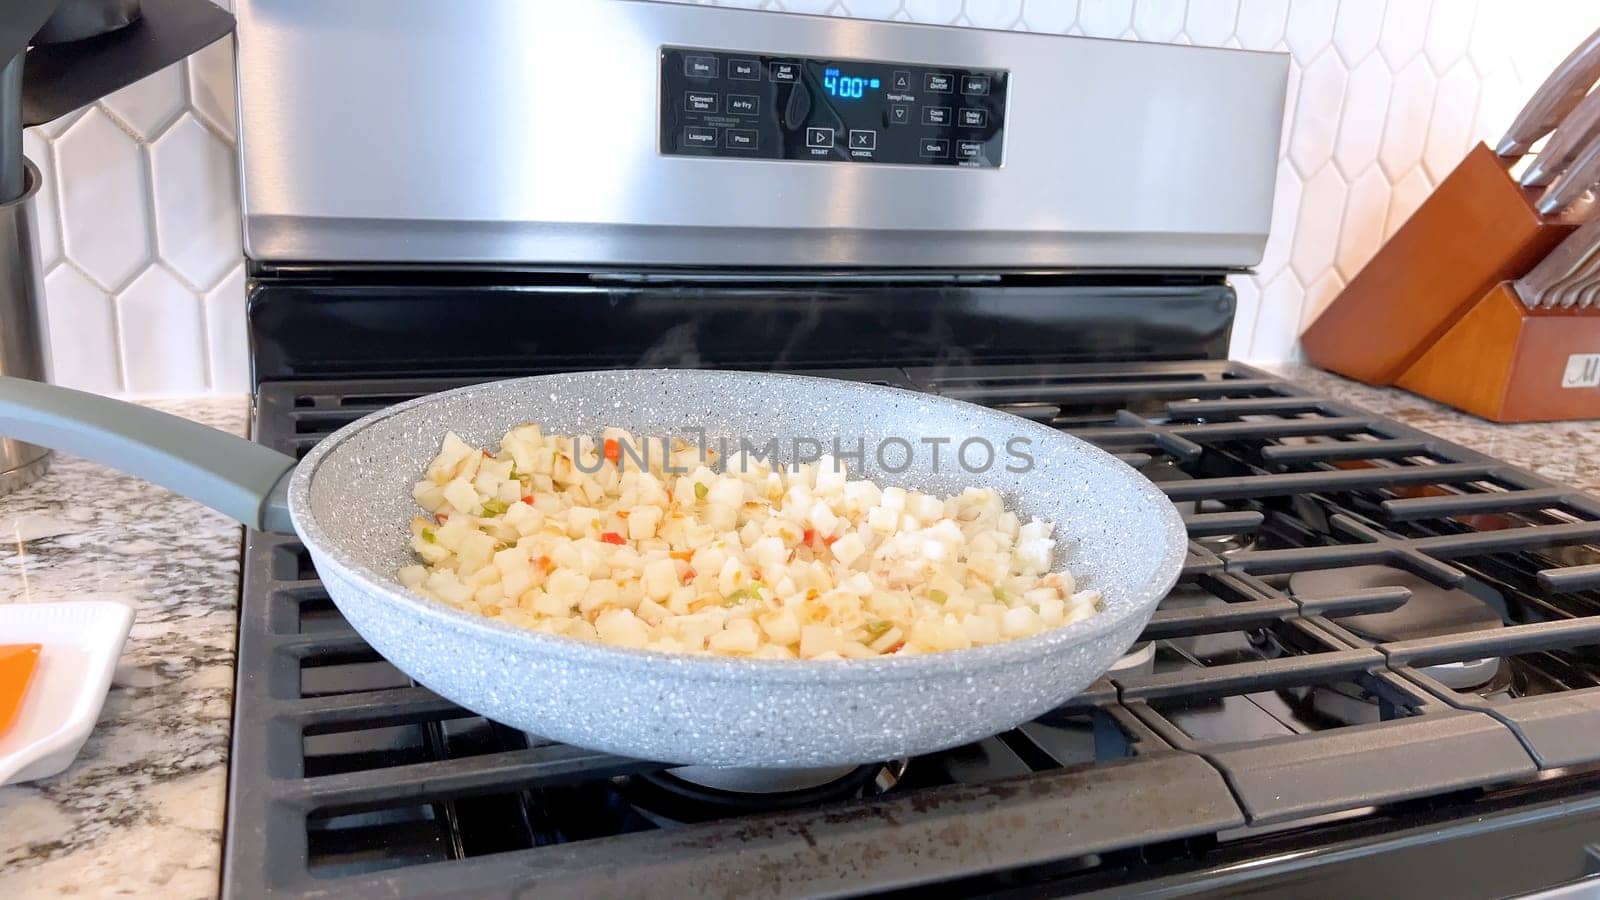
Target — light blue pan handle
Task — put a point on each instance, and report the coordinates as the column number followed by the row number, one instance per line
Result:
column 233, row 476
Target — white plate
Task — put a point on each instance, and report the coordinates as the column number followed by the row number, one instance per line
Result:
column 82, row 640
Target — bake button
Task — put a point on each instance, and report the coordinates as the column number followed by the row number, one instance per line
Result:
column 699, row 101
column 936, row 82
column 785, row 71
column 743, row 104
column 700, row 66
column 974, row 84
column 934, row 147
column 863, row 140
column 936, row 115
column 819, row 137
column 901, row 81
column 970, row 118
column 899, row 115
column 741, row 138
column 744, row 69
column 969, row 149
column 699, row 136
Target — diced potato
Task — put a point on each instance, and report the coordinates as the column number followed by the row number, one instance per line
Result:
column 702, row 562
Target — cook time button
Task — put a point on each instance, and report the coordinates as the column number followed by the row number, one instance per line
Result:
column 700, row 101
column 936, row 115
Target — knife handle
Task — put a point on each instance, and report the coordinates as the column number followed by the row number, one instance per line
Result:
column 1568, row 256
column 1556, row 97
column 1575, row 131
column 1571, row 183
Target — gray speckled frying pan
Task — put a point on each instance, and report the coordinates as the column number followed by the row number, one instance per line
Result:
column 350, row 502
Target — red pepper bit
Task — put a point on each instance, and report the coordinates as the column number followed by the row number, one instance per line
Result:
column 894, row 648
column 611, row 537
column 528, row 499
column 688, row 576
column 809, row 537
column 487, row 455
column 613, row 452
column 544, row 564
column 829, row 541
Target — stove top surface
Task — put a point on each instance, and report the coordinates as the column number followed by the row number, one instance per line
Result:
column 1382, row 649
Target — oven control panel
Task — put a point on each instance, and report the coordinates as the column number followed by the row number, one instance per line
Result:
column 739, row 105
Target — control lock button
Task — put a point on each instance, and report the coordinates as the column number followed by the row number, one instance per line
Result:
column 969, row 149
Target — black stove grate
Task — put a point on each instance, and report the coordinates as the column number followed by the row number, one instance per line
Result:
column 1254, row 721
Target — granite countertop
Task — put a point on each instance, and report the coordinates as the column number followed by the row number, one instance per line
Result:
column 1555, row 450
column 141, row 811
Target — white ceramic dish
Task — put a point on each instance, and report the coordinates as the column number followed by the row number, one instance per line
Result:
column 82, row 640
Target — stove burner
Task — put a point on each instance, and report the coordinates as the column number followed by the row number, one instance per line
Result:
column 1432, row 611
column 1347, row 703
column 692, row 794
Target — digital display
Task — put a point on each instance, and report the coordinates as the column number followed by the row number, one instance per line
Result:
column 847, row 87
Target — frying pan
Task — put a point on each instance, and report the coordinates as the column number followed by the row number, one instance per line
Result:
column 349, row 500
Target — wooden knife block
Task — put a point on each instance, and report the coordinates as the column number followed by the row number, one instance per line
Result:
column 1508, row 363
column 1478, row 228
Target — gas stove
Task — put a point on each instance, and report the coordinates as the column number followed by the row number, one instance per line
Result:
column 1267, row 730
column 1378, row 670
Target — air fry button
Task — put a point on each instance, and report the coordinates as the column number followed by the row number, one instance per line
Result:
column 819, row 137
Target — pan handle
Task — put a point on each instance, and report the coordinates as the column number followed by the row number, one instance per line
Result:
column 240, row 479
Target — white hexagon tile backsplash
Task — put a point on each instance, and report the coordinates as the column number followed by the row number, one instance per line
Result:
column 140, row 241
